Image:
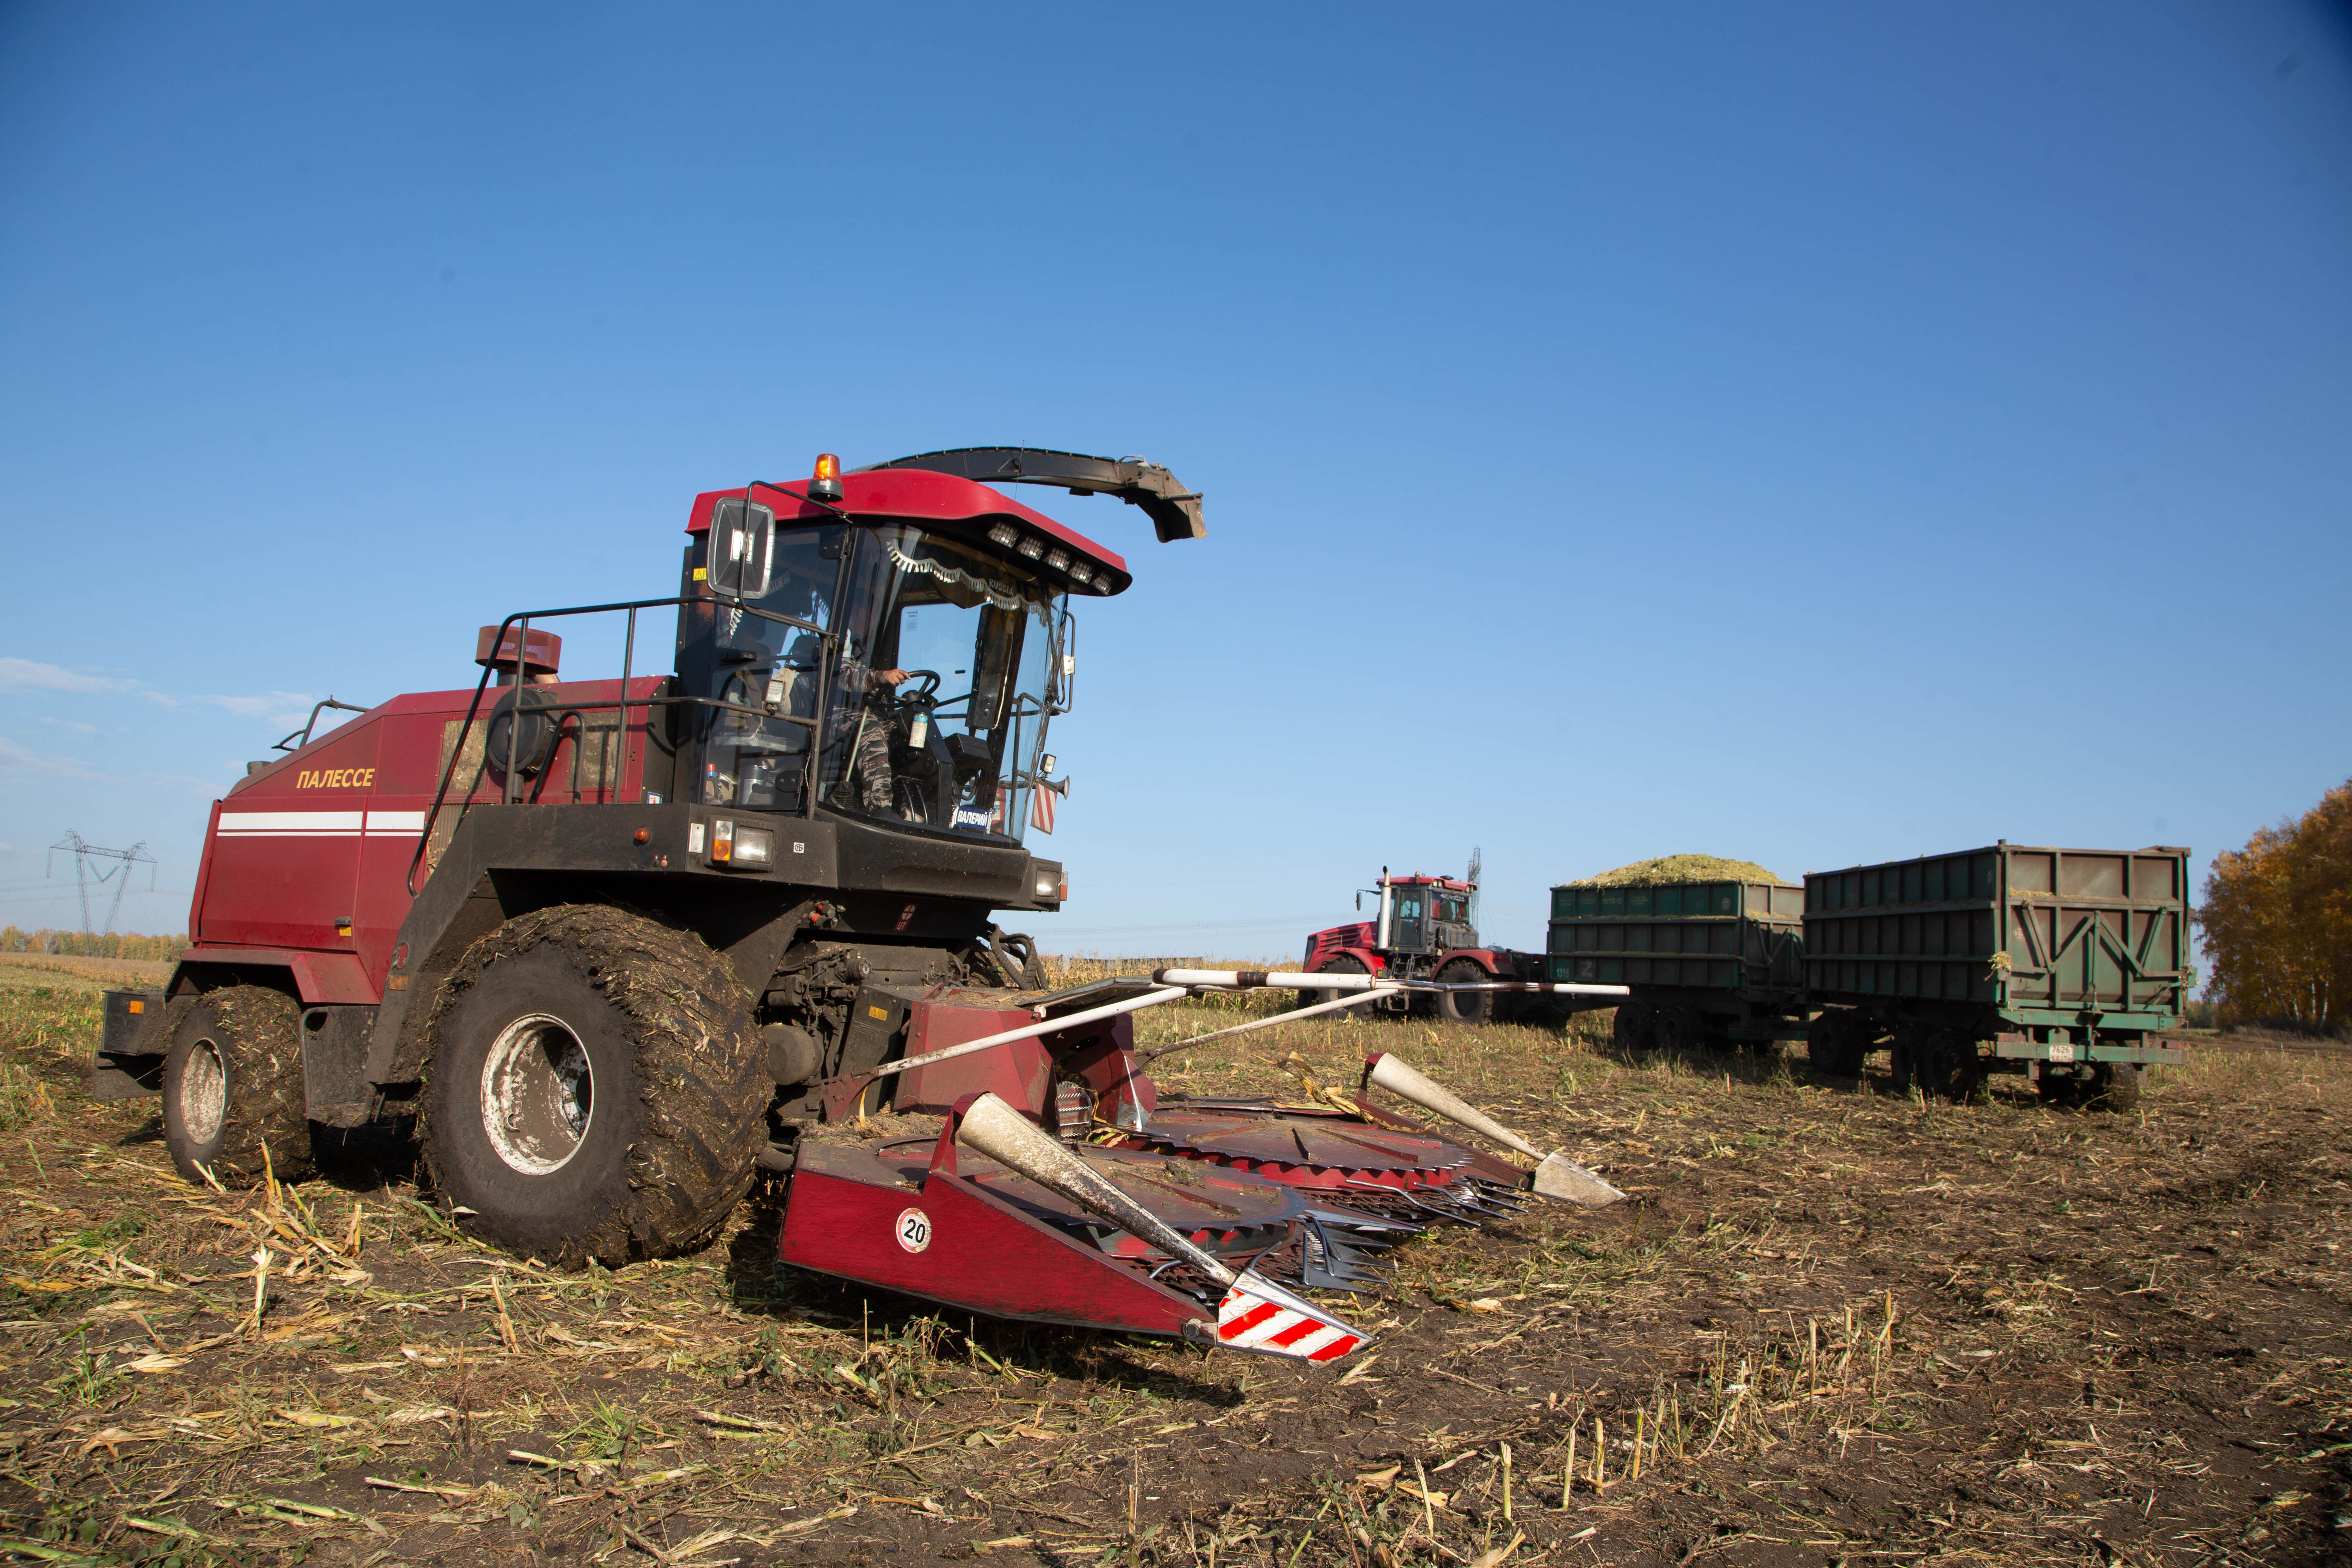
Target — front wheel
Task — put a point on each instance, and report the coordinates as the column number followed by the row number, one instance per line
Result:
column 595, row 1091
column 1476, row 1008
column 1836, row 1043
column 233, row 1091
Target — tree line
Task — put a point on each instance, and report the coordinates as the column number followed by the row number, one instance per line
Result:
column 2278, row 918
column 84, row 944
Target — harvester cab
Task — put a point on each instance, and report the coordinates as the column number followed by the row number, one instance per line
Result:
column 611, row 946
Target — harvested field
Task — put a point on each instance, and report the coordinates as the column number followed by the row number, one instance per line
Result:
column 1835, row 1326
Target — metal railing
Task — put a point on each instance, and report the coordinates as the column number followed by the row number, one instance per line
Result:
column 510, row 792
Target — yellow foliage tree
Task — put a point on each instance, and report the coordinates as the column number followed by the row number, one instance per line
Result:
column 2278, row 920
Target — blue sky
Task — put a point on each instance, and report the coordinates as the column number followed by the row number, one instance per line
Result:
column 1810, row 434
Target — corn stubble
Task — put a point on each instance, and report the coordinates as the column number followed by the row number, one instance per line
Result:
column 1831, row 1325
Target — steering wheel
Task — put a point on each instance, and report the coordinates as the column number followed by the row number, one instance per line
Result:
column 926, row 683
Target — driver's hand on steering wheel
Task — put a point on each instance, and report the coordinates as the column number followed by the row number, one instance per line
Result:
column 893, row 676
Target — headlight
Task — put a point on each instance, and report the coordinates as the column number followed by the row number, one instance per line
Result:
column 755, row 847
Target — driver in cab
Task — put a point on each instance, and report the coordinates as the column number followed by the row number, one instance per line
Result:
column 874, row 781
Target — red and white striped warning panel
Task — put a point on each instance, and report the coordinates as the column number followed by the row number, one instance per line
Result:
column 1259, row 1315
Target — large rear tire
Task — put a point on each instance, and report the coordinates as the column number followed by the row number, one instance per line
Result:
column 595, row 1089
column 232, row 1087
column 1476, row 1008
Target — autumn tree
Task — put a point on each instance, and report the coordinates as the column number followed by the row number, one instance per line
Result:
column 2278, row 920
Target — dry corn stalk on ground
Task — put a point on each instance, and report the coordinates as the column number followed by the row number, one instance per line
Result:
column 1835, row 1326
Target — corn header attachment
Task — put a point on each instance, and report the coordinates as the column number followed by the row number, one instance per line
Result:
column 1025, row 1165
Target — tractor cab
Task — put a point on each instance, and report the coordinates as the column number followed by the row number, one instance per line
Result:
column 1428, row 915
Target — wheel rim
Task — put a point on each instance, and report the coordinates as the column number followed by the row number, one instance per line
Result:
column 538, row 1094
column 203, row 1092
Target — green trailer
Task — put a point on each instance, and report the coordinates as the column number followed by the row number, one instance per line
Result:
column 2068, row 966
column 1708, row 963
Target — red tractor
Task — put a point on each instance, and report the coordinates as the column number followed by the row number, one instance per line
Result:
column 610, row 946
column 1423, row 931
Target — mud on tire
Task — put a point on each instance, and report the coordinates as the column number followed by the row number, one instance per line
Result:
column 594, row 1088
column 233, row 1084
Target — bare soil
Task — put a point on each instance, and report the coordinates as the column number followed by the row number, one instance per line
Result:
column 1834, row 1326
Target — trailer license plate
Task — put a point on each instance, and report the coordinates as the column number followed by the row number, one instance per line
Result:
column 2065, row 1053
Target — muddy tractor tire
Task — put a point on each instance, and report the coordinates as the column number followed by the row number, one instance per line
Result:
column 1636, row 1027
column 1837, row 1043
column 1337, row 966
column 1476, row 1008
column 233, row 1088
column 595, row 1089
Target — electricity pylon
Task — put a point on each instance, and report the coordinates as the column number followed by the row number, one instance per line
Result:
column 85, row 874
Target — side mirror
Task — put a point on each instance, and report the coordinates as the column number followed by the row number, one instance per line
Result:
column 742, row 542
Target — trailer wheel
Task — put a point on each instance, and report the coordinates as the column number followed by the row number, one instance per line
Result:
column 1634, row 1030
column 1835, row 1045
column 2116, row 1087
column 2056, row 1090
column 232, row 1085
column 1958, row 1066
column 1476, row 1008
column 595, row 1089
column 1678, row 1030
column 1903, row 1058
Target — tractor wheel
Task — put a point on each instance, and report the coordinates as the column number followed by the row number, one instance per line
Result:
column 1337, row 966
column 595, row 1089
column 1476, row 1008
column 1634, row 1030
column 232, row 1087
column 1835, row 1043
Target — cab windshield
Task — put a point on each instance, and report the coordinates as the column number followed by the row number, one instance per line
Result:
column 908, row 679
